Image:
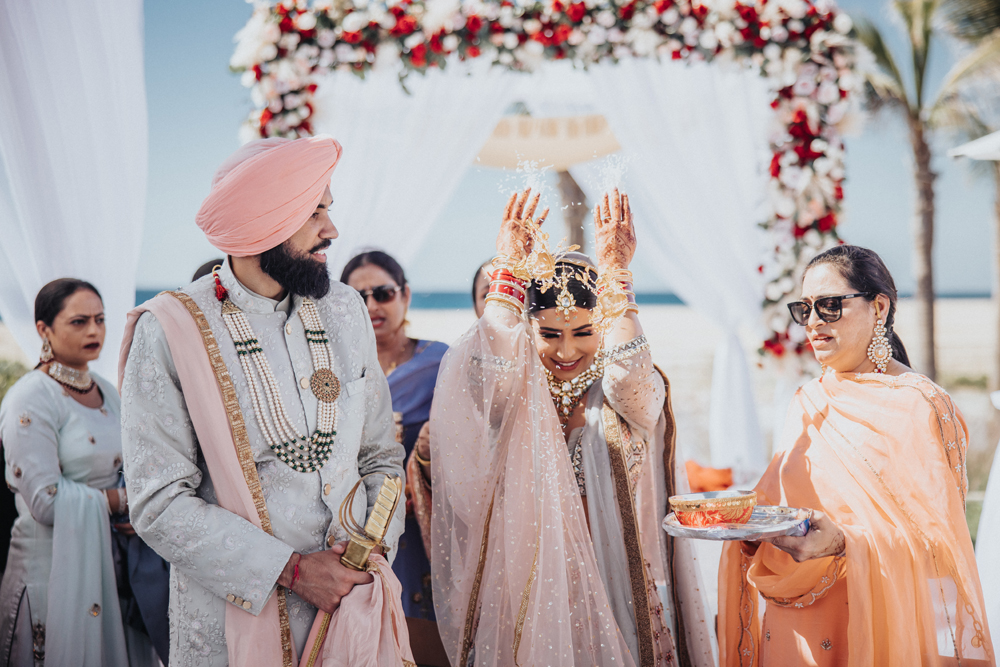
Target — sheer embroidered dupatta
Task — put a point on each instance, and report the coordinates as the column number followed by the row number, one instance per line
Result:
column 885, row 458
column 514, row 573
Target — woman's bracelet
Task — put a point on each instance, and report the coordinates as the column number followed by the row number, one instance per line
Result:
column 626, row 350
column 421, row 460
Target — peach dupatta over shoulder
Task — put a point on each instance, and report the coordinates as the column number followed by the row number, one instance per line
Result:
column 884, row 457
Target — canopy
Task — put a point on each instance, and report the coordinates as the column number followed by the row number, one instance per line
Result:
column 983, row 148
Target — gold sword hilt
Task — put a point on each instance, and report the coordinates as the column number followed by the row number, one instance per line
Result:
column 363, row 540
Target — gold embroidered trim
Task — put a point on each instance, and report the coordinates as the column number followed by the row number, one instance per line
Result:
column 470, row 612
column 832, row 576
column 526, row 595
column 748, row 604
column 630, row 526
column 242, row 441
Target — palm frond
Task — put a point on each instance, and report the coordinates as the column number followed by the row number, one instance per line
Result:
column 970, row 20
column 886, row 82
column 983, row 61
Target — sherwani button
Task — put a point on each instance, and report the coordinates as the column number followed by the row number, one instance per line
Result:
column 231, row 597
column 238, row 601
column 288, row 328
column 246, row 604
column 329, row 541
column 326, row 490
column 304, row 382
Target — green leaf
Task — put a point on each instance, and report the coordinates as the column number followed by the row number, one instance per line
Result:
column 886, row 82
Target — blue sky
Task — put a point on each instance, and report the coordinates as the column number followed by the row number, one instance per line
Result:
column 196, row 106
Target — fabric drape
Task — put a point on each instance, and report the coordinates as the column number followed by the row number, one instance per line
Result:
column 405, row 151
column 884, row 457
column 692, row 139
column 988, row 537
column 514, row 572
column 73, row 150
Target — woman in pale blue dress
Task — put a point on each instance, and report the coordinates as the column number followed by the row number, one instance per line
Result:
column 76, row 573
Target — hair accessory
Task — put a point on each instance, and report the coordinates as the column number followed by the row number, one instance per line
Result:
column 880, row 349
column 46, row 355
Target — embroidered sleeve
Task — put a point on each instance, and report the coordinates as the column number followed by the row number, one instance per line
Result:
column 379, row 452
column 29, row 431
column 227, row 554
column 633, row 386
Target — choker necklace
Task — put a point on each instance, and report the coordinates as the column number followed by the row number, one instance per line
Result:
column 300, row 453
column 567, row 394
column 78, row 381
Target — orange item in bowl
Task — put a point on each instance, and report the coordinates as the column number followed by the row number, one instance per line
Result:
column 700, row 510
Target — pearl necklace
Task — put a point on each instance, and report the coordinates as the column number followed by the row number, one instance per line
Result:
column 567, row 394
column 78, row 381
column 300, row 453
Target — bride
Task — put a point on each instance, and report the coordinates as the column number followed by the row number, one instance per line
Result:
column 552, row 442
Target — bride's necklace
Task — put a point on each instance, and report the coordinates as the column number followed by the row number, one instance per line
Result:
column 72, row 379
column 567, row 394
column 300, row 453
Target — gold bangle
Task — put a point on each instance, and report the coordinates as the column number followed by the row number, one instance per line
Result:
column 505, row 301
column 421, row 460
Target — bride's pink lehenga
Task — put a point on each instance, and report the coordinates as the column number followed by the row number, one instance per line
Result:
column 519, row 579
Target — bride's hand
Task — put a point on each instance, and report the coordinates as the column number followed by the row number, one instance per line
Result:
column 514, row 239
column 614, row 232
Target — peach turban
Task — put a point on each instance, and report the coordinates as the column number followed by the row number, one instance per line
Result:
column 265, row 192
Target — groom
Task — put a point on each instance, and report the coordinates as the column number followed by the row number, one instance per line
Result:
column 252, row 405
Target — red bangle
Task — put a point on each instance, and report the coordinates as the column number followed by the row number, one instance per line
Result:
column 504, row 274
column 496, row 288
column 295, row 574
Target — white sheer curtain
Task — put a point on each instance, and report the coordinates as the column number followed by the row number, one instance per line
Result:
column 694, row 140
column 404, row 153
column 73, row 146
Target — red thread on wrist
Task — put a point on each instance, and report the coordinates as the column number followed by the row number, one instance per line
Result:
column 295, row 573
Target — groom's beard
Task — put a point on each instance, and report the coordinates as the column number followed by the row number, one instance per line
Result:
column 299, row 274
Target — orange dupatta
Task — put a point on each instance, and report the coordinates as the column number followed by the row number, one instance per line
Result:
column 884, row 457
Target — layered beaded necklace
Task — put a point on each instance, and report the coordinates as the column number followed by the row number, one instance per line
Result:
column 567, row 394
column 300, row 453
column 78, row 381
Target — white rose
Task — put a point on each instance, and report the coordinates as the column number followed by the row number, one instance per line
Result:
column 354, row 21
column 510, row 41
column 796, row 26
column 413, row 39
column 289, row 41
column 292, row 101
column 597, row 35
column 779, row 34
column 822, row 165
column 326, row 38
column 248, row 132
column 268, row 52
column 576, row 37
column 606, row 19
column 306, row 21
column 804, row 87
column 616, row 36
column 784, row 205
column 387, row 21
column 344, row 52
column 708, row 40
column 387, row 55
column 505, row 58
column 836, row 112
column 689, row 26
column 795, row 8
column 812, row 238
column 828, row 93
column 644, row 42
column 450, row 43
column 257, row 97
column 774, row 293
column 326, row 58
column 670, row 17
column 842, row 23
column 534, row 48
column 724, row 31
column 496, row 39
column 248, row 79
column 786, row 284
column 772, row 52
column 271, row 32
column 765, row 32
column 531, row 26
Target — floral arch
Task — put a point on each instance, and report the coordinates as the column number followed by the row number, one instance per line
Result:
column 803, row 47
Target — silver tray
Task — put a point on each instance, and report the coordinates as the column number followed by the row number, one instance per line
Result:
column 766, row 521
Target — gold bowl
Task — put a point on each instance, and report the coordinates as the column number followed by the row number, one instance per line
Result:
column 700, row 510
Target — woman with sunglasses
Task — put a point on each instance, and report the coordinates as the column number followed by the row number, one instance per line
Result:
column 411, row 366
column 886, row 574
column 552, row 444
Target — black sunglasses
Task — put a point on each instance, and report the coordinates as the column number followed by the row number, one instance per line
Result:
column 829, row 308
column 381, row 294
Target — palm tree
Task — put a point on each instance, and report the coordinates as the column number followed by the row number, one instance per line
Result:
column 887, row 88
column 972, row 112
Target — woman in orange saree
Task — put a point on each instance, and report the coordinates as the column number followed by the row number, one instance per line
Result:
column 886, row 574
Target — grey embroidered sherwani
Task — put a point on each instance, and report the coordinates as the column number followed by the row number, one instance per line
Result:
column 217, row 557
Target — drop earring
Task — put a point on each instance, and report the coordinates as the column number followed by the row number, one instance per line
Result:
column 46, row 355
column 879, row 350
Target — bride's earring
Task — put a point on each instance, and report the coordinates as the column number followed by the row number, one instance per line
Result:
column 879, row 350
column 46, row 355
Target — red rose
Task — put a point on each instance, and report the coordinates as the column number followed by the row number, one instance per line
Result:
column 257, row 72
column 576, row 12
column 418, row 55
column 663, row 5
column 286, row 25
column 436, row 45
column 776, row 165
column 405, row 25
column 827, row 222
column 627, row 11
column 473, row 51
column 474, row 24
column 838, row 192
column 557, row 6
column 351, row 37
